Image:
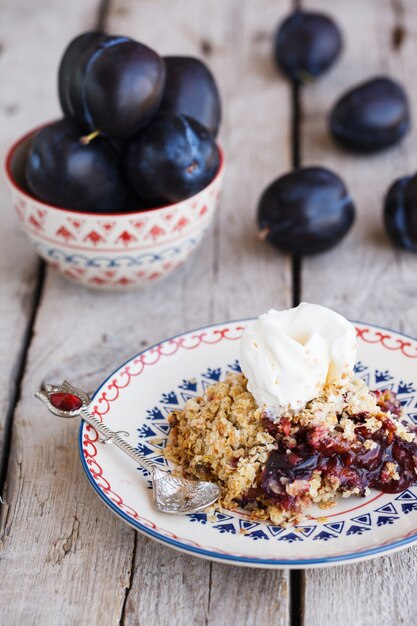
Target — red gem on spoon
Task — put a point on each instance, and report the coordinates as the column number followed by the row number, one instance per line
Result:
column 65, row 401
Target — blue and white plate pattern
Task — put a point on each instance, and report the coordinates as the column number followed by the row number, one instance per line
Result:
column 138, row 398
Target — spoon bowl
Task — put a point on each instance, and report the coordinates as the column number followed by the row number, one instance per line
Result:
column 171, row 494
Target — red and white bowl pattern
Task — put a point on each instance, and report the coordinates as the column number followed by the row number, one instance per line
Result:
column 113, row 251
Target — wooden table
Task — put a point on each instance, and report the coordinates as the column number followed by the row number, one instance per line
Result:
column 66, row 559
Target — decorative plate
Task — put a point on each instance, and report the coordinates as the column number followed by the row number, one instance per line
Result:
column 140, row 394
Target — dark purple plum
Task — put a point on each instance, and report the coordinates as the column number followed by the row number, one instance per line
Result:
column 191, row 90
column 400, row 213
column 306, row 211
column 69, row 63
column 136, row 203
column 306, row 45
column 111, row 84
column 61, row 170
column 173, row 158
column 372, row 116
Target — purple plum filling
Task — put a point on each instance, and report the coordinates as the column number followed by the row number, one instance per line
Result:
column 349, row 465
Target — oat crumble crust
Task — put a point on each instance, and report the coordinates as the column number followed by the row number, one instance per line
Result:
column 223, row 437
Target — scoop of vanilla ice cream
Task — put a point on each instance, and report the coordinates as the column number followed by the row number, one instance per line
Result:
column 288, row 356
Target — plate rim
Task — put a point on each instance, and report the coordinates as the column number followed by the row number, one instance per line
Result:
column 355, row 557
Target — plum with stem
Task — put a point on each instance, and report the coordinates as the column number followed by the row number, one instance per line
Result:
column 62, row 171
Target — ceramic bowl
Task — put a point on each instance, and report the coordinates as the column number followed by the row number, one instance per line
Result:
column 115, row 251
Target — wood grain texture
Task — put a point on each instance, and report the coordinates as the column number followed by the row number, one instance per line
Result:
column 241, row 276
column 23, row 104
column 39, row 581
column 58, row 538
column 250, row 597
column 365, row 277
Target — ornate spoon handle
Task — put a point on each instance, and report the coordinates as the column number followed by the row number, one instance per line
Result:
column 111, row 436
column 76, row 402
column 171, row 494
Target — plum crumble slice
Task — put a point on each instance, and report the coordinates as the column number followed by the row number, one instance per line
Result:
column 345, row 441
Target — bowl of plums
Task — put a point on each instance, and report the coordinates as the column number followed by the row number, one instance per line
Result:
column 120, row 191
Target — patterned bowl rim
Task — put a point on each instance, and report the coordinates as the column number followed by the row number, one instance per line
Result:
column 74, row 213
column 380, row 550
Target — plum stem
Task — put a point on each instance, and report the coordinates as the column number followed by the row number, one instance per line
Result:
column 306, row 78
column 85, row 140
column 192, row 167
column 263, row 234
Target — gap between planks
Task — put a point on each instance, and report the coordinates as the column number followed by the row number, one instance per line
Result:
column 131, row 574
column 296, row 576
column 21, row 364
column 100, row 22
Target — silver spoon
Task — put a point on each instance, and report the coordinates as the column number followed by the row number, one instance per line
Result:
column 171, row 494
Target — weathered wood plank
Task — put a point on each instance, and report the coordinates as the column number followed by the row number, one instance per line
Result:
column 364, row 277
column 32, row 39
column 249, row 597
column 23, row 103
column 83, row 554
column 237, row 45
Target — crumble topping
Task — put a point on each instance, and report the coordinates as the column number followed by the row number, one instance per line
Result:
column 220, row 438
column 342, row 442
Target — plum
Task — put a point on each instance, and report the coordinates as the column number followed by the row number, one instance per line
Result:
column 110, row 84
column 372, row 116
column 173, row 158
column 63, row 171
column 306, row 45
column 306, row 211
column 191, row 90
column 69, row 62
column 400, row 213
